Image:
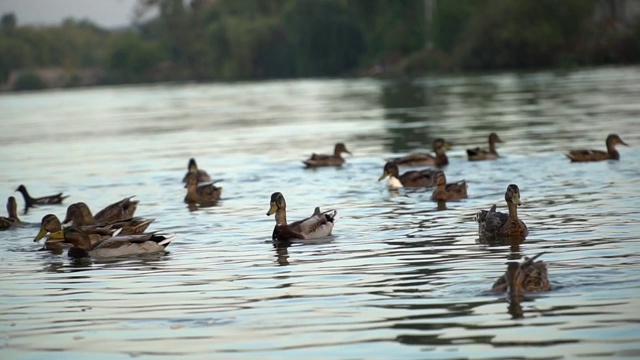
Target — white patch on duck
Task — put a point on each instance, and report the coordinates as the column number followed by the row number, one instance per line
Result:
column 394, row 183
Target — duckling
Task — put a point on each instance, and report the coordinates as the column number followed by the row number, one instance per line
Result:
column 414, row 178
column 493, row 224
column 12, row 219
column 597, row 155
column 204, row 194
column 528, row 276
column 318, row 160
column 484, row 154
column 318, row 225
column 119, row 245
column 423, row 159
column 193, row 168
column 45, row 200
column 444, row 191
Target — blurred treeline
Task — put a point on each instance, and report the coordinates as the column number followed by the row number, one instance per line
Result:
column 259, row 39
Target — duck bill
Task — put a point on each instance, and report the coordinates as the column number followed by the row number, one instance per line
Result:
column 272, row 209
column 57, row 236
column 623, row 143
column 384, row 175
column 447, row 146
column 40, row 235
column 516, row 199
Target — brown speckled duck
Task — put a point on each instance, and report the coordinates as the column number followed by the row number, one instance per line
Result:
column 318, row 160
column 318, row 225
column 528, row 276
column 50, row 224
column 203, row 194
column 493, row 224
column 424, row 159
column 192, row 168
column 485, row 154
column 121, row 210
column 445, row 192
column 11, row 220
column 597, row 155
column 414, row 178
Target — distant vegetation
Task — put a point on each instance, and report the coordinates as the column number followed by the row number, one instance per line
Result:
column 206, row 40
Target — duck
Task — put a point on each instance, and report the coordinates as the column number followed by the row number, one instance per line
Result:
column 44, row 200
column 493, row 224
column 424, row 159
column 319, row 160
column 11, row 220
column 79, row 215
column 445, row 192
column 414, row 178
column 192, row 168
column 118, row 211
column 318, row 225
column 528, row 276
column 598, row 155
column 484, row 154
column 119, row 245
column 202, row 194
column 50, row 225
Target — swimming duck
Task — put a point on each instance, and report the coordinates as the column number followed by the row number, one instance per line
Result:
column 423, row 159
column 318, row 160
column 80, row 215
column 316, row 226
column 597, row 155
column 51, row 225
column 203, row 194
column 414, row 178
column 119, row 245
column 45, row 200
column 192, row 168
column 12, row 219
column 528, row 276
column 493, row 224
column 484, row 154
column 444, row 191
column 118, row 211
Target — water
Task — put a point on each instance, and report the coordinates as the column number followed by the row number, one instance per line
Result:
column 399, row 279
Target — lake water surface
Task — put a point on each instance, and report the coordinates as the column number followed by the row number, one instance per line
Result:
column 399, row 279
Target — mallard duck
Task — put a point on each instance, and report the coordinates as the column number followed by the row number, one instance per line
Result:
column 80, row 215
column 493, row 224
column 203, row 194
column 597, row 155
column 316, row 226
column 192, row 168
column 45, row 200
column 118, row 211
column 445, row 192
column 119, row 245
column 422, row 178
column 484, row 154
column 424, row 159
column 317, row 160
column 528, row 276
column 51, row 225
column 11, row 219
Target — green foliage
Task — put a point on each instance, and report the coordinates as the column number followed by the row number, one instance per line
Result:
column 523, row 34
column 248, row 39
column 29, row 81
column 131, row 59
